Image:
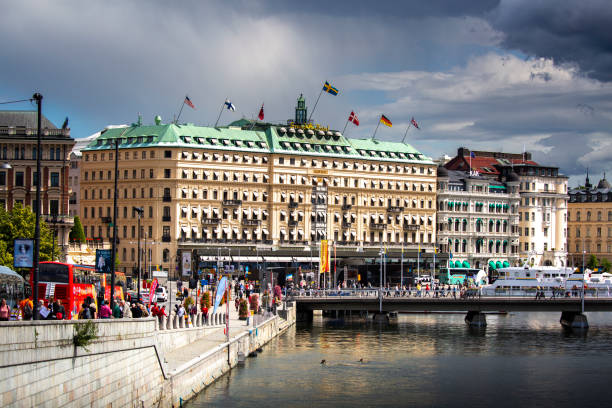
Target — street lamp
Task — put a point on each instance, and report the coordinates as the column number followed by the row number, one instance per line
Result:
column 381, row 253
column 38, row 97
column 139, row 212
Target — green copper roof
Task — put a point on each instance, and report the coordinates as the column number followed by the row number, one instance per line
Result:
column 243, row 136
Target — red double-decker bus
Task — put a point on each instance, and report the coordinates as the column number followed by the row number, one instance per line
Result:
column 73, row 284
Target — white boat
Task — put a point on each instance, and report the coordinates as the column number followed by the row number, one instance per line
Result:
column 591, row 281
column 526, row 280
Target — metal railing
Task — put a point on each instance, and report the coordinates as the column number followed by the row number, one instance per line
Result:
column 453, row 292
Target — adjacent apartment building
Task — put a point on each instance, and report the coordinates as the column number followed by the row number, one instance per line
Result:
column 590, row 222
column 18, row 177
column 478, row 219
column 542, row 215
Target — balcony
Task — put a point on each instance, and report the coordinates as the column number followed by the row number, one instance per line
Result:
column 292, row 223
column 393, row 209
column 165, row 238
column 166, row 218
column 210, row 221
column 346, row 224
column 231, row 203
column 411, row 227
column 346, row 207
column 293, row 204
column 250, row 223
column 167, row 199
column 378, row 226
column 106, row 220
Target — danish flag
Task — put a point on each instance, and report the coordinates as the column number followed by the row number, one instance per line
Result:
column 353, row 118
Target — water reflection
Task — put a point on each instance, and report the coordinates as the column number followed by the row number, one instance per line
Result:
column 426, row 360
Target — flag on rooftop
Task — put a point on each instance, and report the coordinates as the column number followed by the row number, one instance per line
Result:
column 385, row 121
column 353, row 118
column 472, row 155
column 230, row 105
column 414, row 123
column 330, row 89
column 189, row 103
column 261, row 113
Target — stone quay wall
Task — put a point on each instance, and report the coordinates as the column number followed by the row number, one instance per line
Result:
column 124, row 367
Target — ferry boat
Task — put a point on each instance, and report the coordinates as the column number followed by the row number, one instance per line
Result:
column 590, row 281
column 526, row 280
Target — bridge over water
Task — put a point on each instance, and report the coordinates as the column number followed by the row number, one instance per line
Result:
column 572, row 308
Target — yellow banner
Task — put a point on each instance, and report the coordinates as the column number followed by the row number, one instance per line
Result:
column 324, row 261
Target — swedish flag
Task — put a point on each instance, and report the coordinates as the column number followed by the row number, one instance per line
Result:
column 330, row 89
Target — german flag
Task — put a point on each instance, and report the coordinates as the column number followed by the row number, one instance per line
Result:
column 385, row 121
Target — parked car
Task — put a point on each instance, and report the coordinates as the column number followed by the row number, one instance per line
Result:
column 161, row 294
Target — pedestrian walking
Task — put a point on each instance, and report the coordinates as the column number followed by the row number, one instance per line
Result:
column 105, row 311
column 5, row 311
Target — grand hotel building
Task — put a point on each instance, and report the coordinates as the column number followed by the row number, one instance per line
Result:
column 258, row 192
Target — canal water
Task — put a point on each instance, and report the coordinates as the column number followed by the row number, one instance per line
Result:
column 427, row 360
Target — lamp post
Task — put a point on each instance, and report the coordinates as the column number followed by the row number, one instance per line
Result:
column 54, row 221
column 114, row 247
column 139, row 212
column 381, row 279
column 38, row 97
column 583, row 272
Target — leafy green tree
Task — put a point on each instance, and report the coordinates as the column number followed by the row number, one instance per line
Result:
column 77, row 234
column 605, row 264
column 592, row 262
column 20, row 223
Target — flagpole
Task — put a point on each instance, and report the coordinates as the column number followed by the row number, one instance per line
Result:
column 315, row 105
column 375, row 130
column 180, row 111
column 406, row 133
column 220, row 112
column 345, row 125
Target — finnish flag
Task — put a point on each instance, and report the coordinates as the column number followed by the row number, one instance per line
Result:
column 230, row 105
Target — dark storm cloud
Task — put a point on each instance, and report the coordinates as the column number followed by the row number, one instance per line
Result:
column 367, row 8
column 568, row 31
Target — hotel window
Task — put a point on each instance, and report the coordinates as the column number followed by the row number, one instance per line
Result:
column 54, row 179
column 167, row 154
column 19, row 179
column 166, row 173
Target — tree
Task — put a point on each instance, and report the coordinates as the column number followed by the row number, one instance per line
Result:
column 77, row 234
column 605, row 264
column 592, row 262
column 20, row 223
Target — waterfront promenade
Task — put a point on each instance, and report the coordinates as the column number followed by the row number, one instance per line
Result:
column 131, row 362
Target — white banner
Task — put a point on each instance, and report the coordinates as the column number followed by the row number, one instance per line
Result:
column 186, row 263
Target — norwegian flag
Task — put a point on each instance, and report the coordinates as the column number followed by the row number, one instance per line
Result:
column 353, row 118
column 414, row 123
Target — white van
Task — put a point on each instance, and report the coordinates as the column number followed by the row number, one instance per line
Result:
column 161, row 295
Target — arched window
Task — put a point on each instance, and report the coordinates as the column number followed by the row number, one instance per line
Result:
column 598, row 215
column 588, row 216
column 490, row 246
column 464, row 225
column 464, row 246
column 166, row 255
